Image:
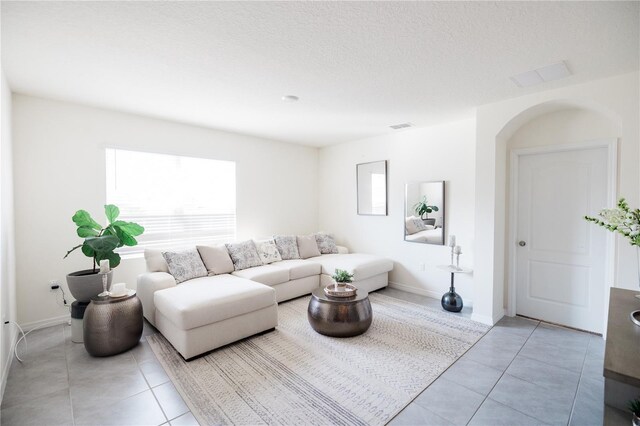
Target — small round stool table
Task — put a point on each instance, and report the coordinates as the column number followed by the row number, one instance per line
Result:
column 451, row 301
column 339, row 316
column 112, row 324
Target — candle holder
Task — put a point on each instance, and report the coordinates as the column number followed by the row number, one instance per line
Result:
column 451, row 256
column 104, row 293
column 458, row 261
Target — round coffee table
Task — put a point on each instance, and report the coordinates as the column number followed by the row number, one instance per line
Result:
column 339, row 316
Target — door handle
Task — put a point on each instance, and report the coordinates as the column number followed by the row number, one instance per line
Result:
column 522, row 243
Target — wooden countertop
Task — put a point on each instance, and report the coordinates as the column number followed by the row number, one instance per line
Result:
column 622, row 350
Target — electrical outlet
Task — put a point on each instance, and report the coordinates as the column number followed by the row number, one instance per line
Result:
column 422, row 266
column 54, row 285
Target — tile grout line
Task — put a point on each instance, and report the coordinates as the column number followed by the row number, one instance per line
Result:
column 503, row 373
column 151, row 388
column 575, row 396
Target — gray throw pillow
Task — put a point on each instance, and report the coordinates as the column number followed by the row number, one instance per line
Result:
column 244, row 255
column 307, row 246
column 326, row 243
column 287, row 246
column 216, row 259
column 185, row 265
column 268, row 251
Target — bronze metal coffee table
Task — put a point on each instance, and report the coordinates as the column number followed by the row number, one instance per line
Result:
column 339, row 316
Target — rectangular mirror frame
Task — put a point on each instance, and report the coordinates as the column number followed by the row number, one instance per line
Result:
column 406, row 212
column 358, row 196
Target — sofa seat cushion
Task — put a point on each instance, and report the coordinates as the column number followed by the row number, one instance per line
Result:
column 362, row 266
column 266, row 274
column 207, row 300
column 299, row 268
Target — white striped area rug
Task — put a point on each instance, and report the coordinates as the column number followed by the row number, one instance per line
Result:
column 295, row 376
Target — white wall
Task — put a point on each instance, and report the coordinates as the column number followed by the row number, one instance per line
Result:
column 7, row 249
column 59, row 168
column 445, row 152
column 615, row 97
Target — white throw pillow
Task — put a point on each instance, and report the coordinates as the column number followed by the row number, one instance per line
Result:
column 287, row 246
column 307, row 246
column 155, row 261
column 185, row 265
column 244, row 255
column 268, row 251
column 326, row 243
column 216, row 259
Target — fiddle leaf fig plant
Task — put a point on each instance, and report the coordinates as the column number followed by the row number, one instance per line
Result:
column 101, row 242
column 423, row 208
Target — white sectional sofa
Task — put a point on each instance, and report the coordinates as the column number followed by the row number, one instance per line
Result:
column 202, row 314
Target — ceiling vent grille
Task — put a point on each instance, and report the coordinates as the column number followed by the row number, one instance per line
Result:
column 401, row 126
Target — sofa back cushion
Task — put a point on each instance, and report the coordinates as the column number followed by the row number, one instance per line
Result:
column 216, row 259
column 287, row 246
column 244, row 255
column 155, row 261
column 326, row 243
column 268, row 251
column 307, row 246
column 185, row 265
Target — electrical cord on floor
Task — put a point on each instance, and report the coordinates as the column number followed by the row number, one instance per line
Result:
column 24, row 337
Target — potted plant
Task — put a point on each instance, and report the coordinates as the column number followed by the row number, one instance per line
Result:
column 99, row 244
column 622, row 220
column 422, row 209
column 342, row 277
column 634, row 407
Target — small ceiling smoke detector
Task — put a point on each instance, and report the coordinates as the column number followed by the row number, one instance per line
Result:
column 542, row 74
column 401, row 126
column 290, row 98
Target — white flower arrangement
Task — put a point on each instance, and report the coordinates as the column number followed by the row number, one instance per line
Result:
column 622, row 220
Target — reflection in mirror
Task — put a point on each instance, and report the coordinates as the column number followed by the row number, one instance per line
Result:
column 372, row 188
column 424, row 212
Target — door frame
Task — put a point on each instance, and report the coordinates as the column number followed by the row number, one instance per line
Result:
column 612, row 173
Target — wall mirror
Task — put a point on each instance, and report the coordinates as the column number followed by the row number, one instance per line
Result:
column 424, row 212
column 371, row 180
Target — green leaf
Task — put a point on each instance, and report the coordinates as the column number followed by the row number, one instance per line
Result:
column 88, row 251
column 125, row 239
column 130, row 228
column 114, row 258
column 435, row 208
column 103, row 243
column 82, row 218
column 85, row 231
column 112, row 212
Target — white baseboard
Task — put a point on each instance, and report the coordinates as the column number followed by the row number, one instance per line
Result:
column 62, row 319
column 415, row 290
column 422, row 292
column 7, row 365
column 486, row 319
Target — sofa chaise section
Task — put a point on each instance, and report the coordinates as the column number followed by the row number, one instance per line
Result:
column 369, row 272
column 211, row 312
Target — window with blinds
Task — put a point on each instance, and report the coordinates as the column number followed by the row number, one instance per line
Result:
column 180, row 201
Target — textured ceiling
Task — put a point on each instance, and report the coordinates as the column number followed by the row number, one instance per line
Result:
column 357, row 67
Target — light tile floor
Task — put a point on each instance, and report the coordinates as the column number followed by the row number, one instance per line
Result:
column 522, row 372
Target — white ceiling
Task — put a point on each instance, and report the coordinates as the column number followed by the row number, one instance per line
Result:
column 357, row 67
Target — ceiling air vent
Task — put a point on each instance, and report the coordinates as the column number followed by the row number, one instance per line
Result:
column 401, row 126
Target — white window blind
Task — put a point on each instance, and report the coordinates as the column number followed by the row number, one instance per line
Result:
column 180, row 201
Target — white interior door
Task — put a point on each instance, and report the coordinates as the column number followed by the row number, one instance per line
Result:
column 560, row 259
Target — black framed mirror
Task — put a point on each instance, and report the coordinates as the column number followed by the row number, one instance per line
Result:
column 424, row 212
column 371, row 181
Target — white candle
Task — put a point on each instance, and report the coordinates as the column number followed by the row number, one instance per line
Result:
column 452, row 240
column 104, row 266
column 118, row 289
column 457, row 250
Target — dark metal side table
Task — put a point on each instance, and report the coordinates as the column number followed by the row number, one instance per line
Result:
column 337, row 316
column 112, row 324
column 451, row 301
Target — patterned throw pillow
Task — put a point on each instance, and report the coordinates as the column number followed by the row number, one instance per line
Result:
column 244, row 255
column 268, row 251
column 287, row 246
column 419, row 224
column 326, row 243
column 185, row 265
